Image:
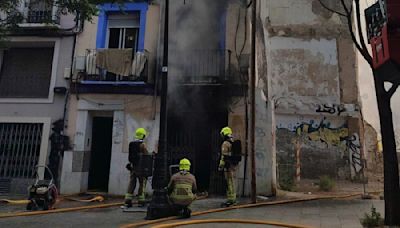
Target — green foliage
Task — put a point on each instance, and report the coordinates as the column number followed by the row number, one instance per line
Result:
column 372, row 220
column 287, row 184
column 286, row 180
column 326, row 183
column 83, row 10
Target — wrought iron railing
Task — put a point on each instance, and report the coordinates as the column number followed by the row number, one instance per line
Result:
column 200, row 66
column 114, row 65
column 42, row 12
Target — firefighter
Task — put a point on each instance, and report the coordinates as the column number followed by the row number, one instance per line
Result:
column 226, row 166
column 136, row 148
column 182, row 188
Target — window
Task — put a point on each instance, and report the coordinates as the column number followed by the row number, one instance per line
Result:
column 40, row 12
column 123, row 38
column 123, row 31
column 26, row 72
column 110, row 16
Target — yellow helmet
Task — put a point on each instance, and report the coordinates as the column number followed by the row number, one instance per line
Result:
column 184, row 164
column 140, row 133
column 226, row 131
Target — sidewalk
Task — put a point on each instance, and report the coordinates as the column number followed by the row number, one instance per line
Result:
column 320, row 213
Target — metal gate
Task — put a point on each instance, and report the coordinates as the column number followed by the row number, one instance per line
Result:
column 202, row 148
column 19, row 149
column 195, row 116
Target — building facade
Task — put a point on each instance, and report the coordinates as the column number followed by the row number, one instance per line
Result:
column 35, row 63
column 102, row 82
column 112, row 93
column 307, row 82
column 115, row 89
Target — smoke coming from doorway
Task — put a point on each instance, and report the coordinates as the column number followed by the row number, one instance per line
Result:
column 196, row 104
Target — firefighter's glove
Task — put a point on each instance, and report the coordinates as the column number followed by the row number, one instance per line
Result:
column 129, row 166
column 221, row 165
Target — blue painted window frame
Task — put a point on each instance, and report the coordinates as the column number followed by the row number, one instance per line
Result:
column 107, row 8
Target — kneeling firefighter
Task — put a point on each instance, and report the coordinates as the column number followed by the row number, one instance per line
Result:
column 137, row 148
column 182, row 188
column 230, row 157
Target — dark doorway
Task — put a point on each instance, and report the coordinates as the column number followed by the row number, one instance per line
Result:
column 100, row 155
column 195, row 117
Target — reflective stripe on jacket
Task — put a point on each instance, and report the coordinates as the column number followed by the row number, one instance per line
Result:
column 182, row 187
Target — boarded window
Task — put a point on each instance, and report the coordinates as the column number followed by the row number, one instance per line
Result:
column 19, row 149
column 26, row 72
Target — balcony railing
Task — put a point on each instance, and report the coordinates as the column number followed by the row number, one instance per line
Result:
column 117, row 66
column 200, row 66
column 40, row 12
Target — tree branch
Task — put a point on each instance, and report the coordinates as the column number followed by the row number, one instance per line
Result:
column 349, row 16
column 366, row 54
column 348, row 12
column 332, row 10
column 392, row 90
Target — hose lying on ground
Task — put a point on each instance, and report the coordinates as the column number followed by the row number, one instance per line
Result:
column 61, row 210
column 30, row 213
column 14, row 201
column 144, row 223
column 94, row 199
column 242, row 221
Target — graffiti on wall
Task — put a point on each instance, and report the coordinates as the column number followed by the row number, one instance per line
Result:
column 353, row 145
column 118, row 125
column 323, row 133
column 331, row 109
column 327, row 136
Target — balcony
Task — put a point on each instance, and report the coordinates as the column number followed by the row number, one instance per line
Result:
column 113, row 66
column 200, row 66
column 39, row 13
column 113, row 71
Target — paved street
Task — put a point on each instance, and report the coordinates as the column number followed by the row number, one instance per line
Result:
column 321, row 213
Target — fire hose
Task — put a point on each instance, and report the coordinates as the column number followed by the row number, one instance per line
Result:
column 240, row 221
column 144, row 223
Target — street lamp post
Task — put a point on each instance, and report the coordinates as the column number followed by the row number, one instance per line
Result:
column 159, row 206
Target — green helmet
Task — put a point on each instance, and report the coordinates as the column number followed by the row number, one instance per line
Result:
column 140, row 133
column 226, row 131
column 184, row 164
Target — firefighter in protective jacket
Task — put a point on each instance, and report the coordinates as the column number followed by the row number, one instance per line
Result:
column 136, row 148
column 227, row 166
column 182, row 188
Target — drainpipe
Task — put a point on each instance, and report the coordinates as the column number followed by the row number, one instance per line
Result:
column 78, row 24
column 253, row 101
column 159, row 206
column 70, row 80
